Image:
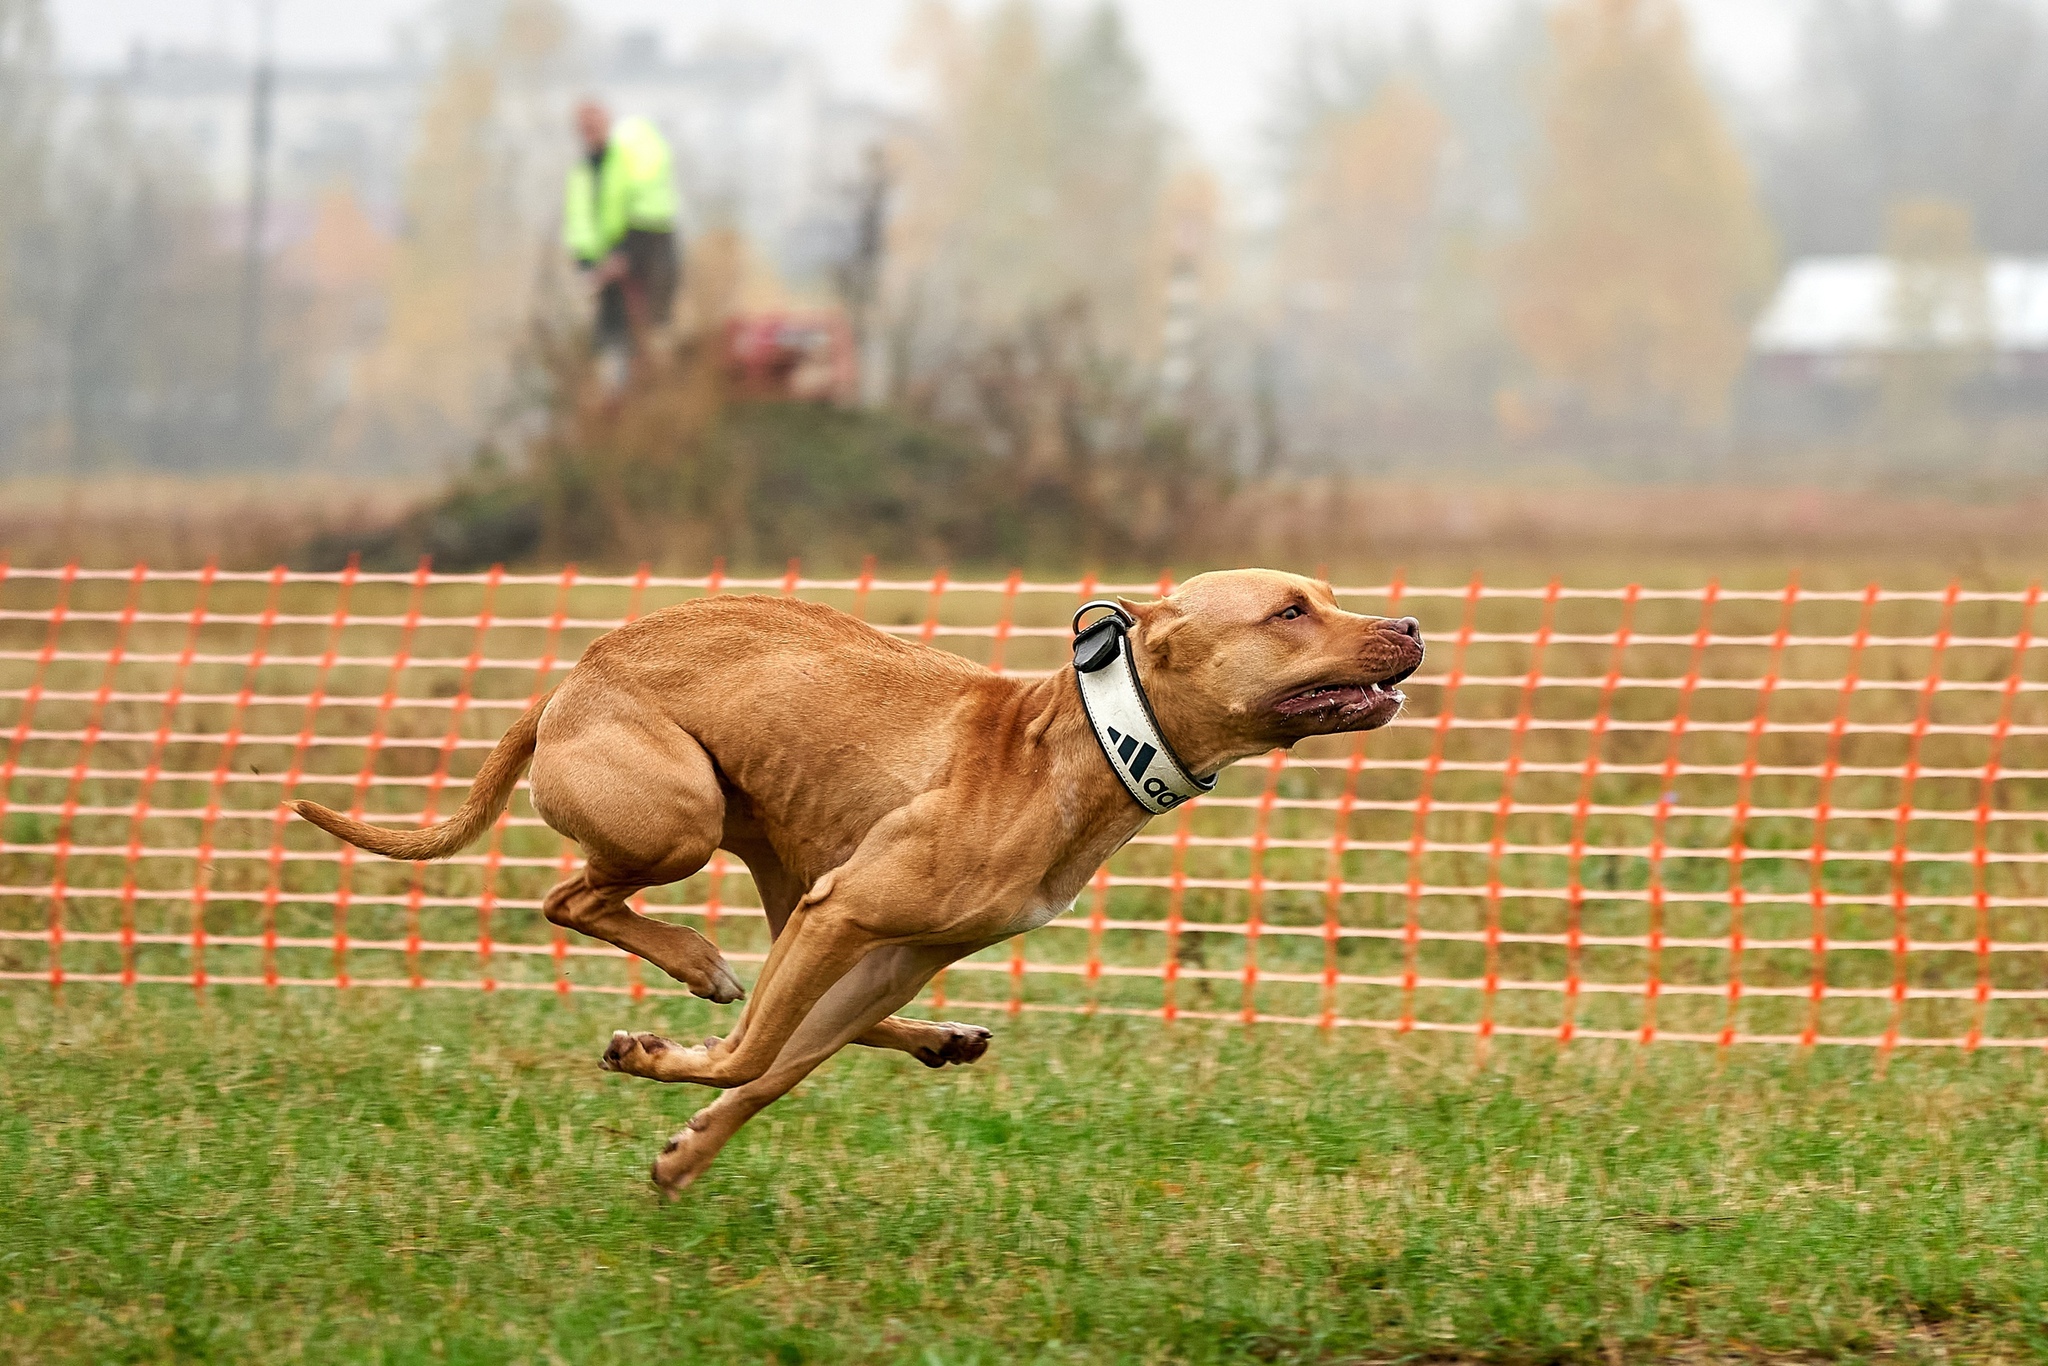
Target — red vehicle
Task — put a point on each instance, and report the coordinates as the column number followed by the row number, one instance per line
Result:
column 798, row 354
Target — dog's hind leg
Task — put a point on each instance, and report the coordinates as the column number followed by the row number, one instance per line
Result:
column 932, row 1042
column 643, row 800
column 593, row 902
column 884, row 981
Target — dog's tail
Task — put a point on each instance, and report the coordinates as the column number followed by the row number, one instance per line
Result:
column 488, row 793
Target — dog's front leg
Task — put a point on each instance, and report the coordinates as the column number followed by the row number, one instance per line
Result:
column 932, row 1043
column 908, row 879
column 823, row 941
column 885, row 981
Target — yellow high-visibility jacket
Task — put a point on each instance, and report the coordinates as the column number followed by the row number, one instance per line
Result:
column 633, row 187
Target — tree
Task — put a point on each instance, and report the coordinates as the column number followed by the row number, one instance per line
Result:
column 1035, row 183
column 1646, row 254
column 1899, row 101
column 463, row 278
column 1039, row 229
column 1941, row 316
column 25, row 77
column 1364, row 195
column 145, row 298
column 342, row 270
column 1354, row 248
column 1400, row 167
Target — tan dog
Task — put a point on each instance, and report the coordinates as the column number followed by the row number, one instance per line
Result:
column 899, row 807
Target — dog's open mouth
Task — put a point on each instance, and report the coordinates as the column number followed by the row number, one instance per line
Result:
column 1343, row 701
column 1341, row 697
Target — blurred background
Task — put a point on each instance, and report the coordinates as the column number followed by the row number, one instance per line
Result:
column 1034, row 282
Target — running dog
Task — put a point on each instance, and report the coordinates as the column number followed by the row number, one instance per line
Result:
column 898, row 806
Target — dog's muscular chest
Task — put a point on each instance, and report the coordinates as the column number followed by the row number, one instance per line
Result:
column 1037, row 911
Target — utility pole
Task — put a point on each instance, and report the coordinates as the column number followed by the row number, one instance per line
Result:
column 254, row 408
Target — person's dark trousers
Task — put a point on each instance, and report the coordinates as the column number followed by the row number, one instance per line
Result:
column 644, row 298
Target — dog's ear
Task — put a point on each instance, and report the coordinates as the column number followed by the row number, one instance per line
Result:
column 1157, row 623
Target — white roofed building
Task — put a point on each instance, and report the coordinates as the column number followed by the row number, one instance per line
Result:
column 1848, row 306
column 1839, row 324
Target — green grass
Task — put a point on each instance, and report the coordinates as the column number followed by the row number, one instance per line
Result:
column 406, row 1177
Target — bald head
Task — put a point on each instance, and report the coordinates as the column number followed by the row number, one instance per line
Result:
column 593, row 125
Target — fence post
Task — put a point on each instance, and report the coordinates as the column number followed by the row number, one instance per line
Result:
column 1902, row 926
column 1738, row 825
column 1418, row 845
column 1817, row 860
column 1575, row 888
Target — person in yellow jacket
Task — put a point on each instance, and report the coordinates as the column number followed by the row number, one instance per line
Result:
column 619, row 222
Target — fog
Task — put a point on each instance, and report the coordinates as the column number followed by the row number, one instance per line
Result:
column 1214, row 62
column 1133, row 246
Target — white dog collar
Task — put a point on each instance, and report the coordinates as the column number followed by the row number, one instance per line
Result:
column 1129, row 734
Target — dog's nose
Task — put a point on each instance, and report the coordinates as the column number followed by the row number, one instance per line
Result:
column 1409, row 627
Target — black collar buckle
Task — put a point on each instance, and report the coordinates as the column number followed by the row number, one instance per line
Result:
column 1097, row 644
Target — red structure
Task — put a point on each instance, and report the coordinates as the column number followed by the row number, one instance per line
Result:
column 798, row 354
column 1759, row 816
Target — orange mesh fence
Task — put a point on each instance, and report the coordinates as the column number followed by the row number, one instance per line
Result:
column 1782, row 816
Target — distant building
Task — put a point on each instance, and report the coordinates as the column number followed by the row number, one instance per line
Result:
column 1839, row 325
column 350, row 127
column 1834, row 311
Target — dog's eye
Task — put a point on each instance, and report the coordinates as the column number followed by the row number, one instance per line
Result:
column 1289, row 614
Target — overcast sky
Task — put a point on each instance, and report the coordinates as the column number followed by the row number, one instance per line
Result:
column 1214, row 62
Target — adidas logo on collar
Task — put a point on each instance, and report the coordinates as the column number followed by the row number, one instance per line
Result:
column 1124, row 725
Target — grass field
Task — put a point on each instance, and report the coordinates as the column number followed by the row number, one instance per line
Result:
column 444, row 1176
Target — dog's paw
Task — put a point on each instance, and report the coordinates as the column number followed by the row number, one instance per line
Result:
column 683, row 1159
column 719, row 986
column 636, row 1055
column 963, row 1044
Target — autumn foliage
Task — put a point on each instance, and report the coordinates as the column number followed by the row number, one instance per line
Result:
column 1541, row 249
column 1647, row 252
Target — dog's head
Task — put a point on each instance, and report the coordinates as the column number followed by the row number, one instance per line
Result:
column 1241, row 661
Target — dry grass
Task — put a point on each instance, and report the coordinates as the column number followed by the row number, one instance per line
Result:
column 1360, row 530
column 242, row 523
